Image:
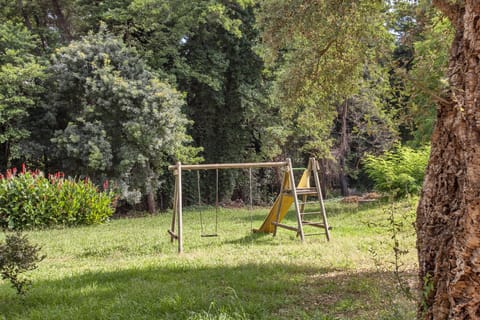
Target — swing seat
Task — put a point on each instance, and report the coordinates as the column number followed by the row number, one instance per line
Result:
column 209, row 235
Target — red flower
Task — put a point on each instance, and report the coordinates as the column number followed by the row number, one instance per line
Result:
column 105, row 185
column 23, row 168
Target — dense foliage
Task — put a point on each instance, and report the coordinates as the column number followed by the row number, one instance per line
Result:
column 31, row 200
column 114, row 118
column 120, row 89
column 20, row 72
column 399, row 172
column 17, row 256
column 320, row 64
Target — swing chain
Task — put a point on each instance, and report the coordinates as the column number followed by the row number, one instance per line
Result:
column 216, row 202
column 250, row 196
column 200, row 203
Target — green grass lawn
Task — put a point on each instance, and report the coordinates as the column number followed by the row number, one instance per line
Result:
column 129, row 269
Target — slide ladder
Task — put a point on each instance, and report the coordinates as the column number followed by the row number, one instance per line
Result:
column 289, row 194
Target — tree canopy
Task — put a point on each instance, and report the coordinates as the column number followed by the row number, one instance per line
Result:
column 114, row 117
column 20, row 73
column 117, row 89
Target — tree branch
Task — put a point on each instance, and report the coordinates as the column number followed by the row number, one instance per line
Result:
column 421, row 87
column 450, row 10
column 321, row 53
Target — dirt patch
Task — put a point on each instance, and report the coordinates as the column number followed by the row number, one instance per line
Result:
column 365, row 198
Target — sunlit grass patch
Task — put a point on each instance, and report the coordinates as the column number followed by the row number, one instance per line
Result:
column 129, row 269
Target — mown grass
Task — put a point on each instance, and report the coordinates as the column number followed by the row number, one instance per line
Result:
column 129, row 269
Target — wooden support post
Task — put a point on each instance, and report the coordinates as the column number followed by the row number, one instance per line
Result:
column 175, row 208
column 295, row 199
column 320, row 196
column 179, row 207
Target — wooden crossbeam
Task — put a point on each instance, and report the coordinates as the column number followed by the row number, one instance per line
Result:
column 170, row 232
column 246, row 165
column 281, row 225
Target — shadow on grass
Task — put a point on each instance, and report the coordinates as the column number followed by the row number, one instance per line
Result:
column 250, row 237
column 185, row 291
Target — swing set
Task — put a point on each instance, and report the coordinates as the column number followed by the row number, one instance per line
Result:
column 289, row 194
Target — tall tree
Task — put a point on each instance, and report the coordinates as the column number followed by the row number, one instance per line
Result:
column 325, row 56
column 362, row 126
column 206, row 48
column 20, row 75
column 222, row 76
column 114, row 117
column 448, row 215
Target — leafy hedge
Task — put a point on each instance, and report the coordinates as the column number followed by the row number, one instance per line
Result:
column 31, row 200
column 399, row 172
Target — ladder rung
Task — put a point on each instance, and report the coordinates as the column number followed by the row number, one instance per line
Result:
column 281, row 225
column 303, row 191
column 315, row 224
column 309, row 202
column 307, row 191
column 314, row 234
column 311, row 212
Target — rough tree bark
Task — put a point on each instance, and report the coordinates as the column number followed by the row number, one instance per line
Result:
column 448, row 215
column 151, row 203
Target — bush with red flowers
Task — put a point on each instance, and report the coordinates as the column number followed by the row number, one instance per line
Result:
column 30, row 200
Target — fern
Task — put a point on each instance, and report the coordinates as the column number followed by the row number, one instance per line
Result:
column 399, row 172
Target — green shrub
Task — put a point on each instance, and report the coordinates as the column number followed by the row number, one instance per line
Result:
column 399, row 172
column 18, row 256
column 30, row 200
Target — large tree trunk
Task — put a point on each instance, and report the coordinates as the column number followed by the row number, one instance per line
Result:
column 151, row 204
column 448, row 215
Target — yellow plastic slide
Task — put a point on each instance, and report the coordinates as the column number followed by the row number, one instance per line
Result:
column 287, row 200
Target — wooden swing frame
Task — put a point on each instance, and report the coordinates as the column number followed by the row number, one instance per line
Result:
column 177, row 217
column 289, row 194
